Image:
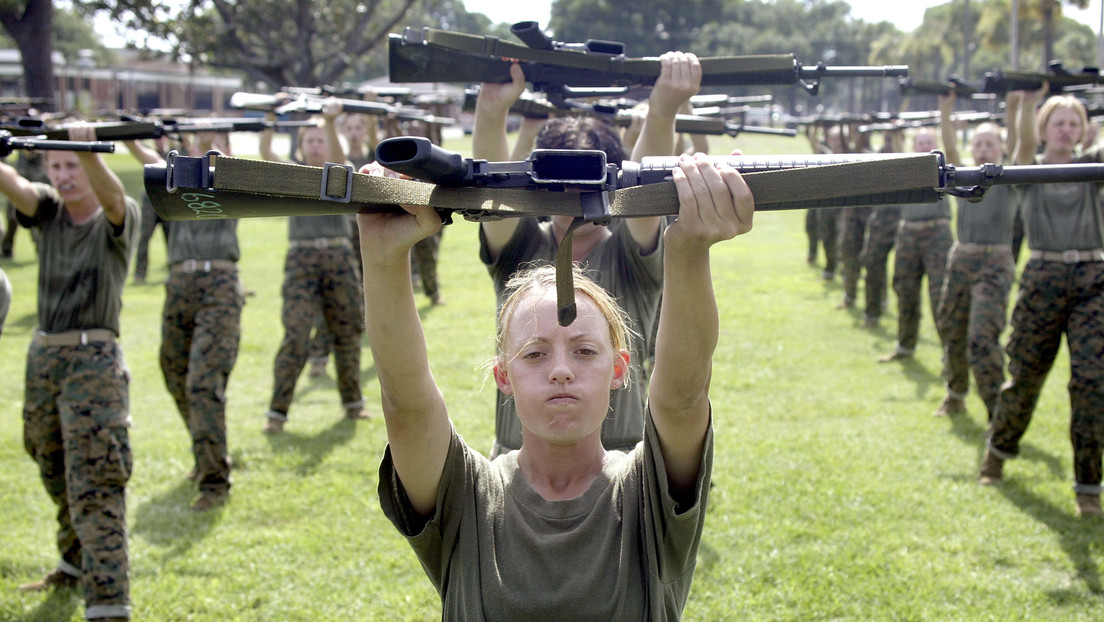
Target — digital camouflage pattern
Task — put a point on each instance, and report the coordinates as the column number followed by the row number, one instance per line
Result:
column 880, row 238
column 919, row 252
column 319, row 281
column 75, row 419
column 853, row 223
column 972, row 314
column 1057, row 298
column 200, row 332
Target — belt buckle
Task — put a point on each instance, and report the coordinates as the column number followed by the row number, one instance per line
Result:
column 321, row 243
column 1071, row 256
column 188, row 266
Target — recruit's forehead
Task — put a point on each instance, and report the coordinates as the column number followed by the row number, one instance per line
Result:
column 536, row 316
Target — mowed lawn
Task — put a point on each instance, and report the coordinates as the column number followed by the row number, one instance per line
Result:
column 837, row 495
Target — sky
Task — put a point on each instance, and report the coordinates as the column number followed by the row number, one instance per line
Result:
column 905, row 15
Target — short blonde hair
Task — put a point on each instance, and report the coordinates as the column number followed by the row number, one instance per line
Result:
column 542, row 278
column 1050, row 105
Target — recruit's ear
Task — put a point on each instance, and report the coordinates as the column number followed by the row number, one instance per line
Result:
column 620, row 369
column 502, row 379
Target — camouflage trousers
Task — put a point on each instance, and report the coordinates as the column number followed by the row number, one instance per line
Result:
column 881, row 235
column 75, row 420
column 319, row 282
column 921, row 249
column 150, row 220
column 852, row 225
column 1057, row 298
column 821, row 225
column 423, row 256
column 200, row 331
column 971, row 316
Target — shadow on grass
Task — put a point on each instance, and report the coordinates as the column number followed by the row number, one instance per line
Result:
column 1078, row 537
column 314, row 449
column 973, row 433
column 167, row 521
column 58, row 605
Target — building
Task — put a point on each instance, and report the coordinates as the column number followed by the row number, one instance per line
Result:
column 132, row 85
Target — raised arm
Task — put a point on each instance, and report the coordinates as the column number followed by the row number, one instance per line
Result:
column 526, row 138
column 1013, row 101
column 714, row 205
column 18, row 189
column 679, row 79
column 489, row 143
column 265, row 139
column 105, row 183
column 413, row 408
column 332, row 109
column 142, row 152
column 1028, row 141
column 947, row 129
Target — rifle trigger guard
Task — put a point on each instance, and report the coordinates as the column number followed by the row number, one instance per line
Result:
column 326, row 180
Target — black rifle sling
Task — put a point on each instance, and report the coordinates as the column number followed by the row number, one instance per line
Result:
column 249, row 188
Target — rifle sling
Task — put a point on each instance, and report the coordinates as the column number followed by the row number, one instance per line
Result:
column 246, row 186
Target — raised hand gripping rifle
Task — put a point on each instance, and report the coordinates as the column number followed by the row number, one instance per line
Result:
column 429, row 55
column 575, row 183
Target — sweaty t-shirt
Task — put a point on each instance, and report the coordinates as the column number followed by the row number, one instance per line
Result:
column 81, row 268
column 496, row 550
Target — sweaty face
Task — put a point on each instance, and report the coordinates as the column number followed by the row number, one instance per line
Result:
column 559, row 376
column 986, row 148
column 67, row 175
column 312, row 144
column 1063, row 129
column 354, row 129
column 925, row 142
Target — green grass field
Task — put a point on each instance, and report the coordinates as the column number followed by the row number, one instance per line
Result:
column 837, row 495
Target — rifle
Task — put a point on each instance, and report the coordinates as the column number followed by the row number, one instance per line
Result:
column 430, row 55
column 722, row 100
column 137, row 129
column 920, row 86
column 241, row 188
column 1058, row 78
column 9, row 143
column 312, row 104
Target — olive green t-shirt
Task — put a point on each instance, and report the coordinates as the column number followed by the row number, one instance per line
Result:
column 215, row 238
column 1064, row 216
column 312, row 227
column 989, row 221
column 496, row 550
column 81, row 268
column 926, row 211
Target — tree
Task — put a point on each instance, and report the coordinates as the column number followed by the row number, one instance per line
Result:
column 278, row 42
column 30, row 23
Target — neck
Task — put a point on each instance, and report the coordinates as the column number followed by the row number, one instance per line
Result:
column 1057, row 156
column 82, row 211
column 561, row 472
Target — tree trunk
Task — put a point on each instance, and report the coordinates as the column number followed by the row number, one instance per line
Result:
column 32, row 34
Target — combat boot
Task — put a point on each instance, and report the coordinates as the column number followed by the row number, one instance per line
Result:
column 56, row 579
column 951, row 406
column 210, row 499
column 992, row 470
column 1088, row 505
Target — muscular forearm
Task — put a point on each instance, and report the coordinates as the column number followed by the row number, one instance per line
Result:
column 106, row 186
